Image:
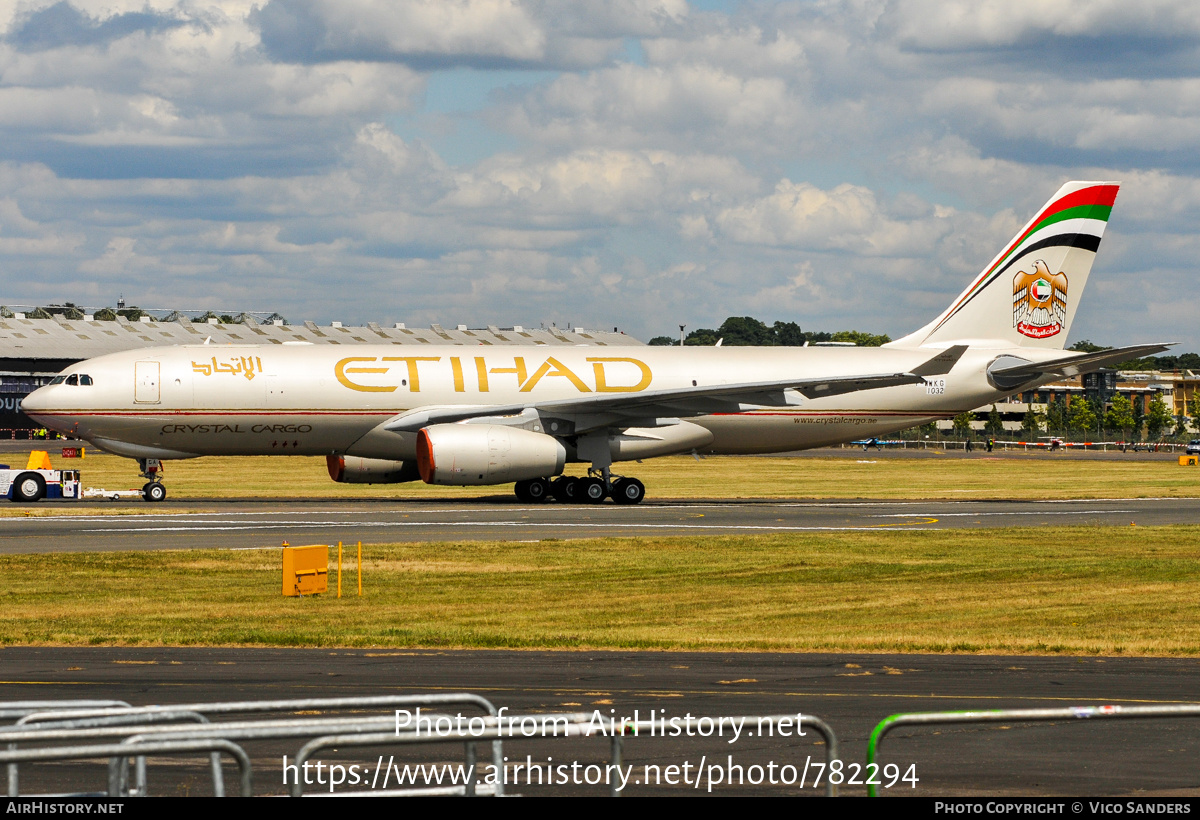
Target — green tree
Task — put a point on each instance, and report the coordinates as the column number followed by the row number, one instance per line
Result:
column 105, row 315
column 1032, row 423
column 1085, row 346
column 745, row 330
column 1119, row 415
column 1056, row 417
column 1158, row 417
column 1139, row 417
column 67, row 310
column 962, row 424
column 861, row 338
column 789, row 334
column 1193, row 406
column 662, row 341
column 704, row 337
column 1080, row 418
column 994, row 425
column 1096, row 405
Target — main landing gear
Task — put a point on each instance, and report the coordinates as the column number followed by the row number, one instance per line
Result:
column 589, row 489
column 152, row 469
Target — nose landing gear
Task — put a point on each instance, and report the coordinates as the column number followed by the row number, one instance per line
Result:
column 152, row 469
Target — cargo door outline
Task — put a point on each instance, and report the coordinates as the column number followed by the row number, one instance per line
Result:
column 146, row 382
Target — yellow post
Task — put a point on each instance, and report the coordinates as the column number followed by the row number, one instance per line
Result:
column 339, row 569
column 360, row 567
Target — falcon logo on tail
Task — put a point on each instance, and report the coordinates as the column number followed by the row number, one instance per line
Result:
column 1039, row 302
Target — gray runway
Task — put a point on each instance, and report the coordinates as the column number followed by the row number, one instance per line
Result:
column 851, row 692
column 267, row 522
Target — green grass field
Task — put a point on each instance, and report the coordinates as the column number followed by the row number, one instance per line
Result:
column 1092, row 590
column 1104, row 590
column 1046, row 477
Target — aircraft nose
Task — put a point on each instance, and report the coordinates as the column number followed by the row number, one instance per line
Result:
column 38, row 400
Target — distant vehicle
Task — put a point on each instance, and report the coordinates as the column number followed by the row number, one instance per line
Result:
column 1193, row 447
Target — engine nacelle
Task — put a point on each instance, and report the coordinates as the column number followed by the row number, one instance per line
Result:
column 464, row 454
column 356, row 470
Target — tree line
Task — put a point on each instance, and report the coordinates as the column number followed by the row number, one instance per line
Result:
column 69, row 310
column 1168, row 361
column 747, row 331
column 1080, row 417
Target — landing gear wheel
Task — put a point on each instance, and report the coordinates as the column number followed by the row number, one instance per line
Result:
column 539, row 490
column 565, row 489
column 591, row 490
column 154, row 491
column 29, row 487
column 628, row 491
column 521, row 491
column 532, row 490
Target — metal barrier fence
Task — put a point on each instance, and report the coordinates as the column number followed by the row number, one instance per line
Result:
column 47, row 721
column 658, row 728
column 171, row 747
column 93, row 729
column 20, row 708
column 81, row 724
column 980, row 445
column 579, row 724
column 28, row 434
column 893, row 722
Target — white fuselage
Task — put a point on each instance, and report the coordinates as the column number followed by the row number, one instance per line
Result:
column 180, row 402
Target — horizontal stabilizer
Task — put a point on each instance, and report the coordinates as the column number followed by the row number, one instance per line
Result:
column 942, row 363
column 1012, row 375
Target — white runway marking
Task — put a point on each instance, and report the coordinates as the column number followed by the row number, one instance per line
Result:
column 984, row 512
column 522, row 524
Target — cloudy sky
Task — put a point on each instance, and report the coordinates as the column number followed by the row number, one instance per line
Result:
column 634, row 163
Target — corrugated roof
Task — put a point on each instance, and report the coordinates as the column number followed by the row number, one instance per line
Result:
column 59, row 338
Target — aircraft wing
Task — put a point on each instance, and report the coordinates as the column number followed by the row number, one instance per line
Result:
column 1016, row 372
column 606, row 409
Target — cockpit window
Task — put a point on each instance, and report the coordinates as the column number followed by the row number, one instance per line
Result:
column 73, row 379
column 85, row 380
column 58, row 380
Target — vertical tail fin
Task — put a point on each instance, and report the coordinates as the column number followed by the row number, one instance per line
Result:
column 1028, row 294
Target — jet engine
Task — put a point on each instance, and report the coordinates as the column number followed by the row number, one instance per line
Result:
column 356, row 470
column 463, row 454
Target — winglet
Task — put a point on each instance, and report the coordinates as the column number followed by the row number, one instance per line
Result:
column 942, row 363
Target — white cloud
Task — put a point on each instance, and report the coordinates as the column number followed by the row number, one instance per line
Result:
column 847, row 218
column 638, row 163
column 684, row 104
column 474, row 31
column 961, row 25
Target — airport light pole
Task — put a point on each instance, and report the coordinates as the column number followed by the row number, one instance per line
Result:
column 681, row 327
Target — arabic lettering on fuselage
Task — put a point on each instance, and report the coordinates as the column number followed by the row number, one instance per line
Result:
column 244, row 365
column 387, row 374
